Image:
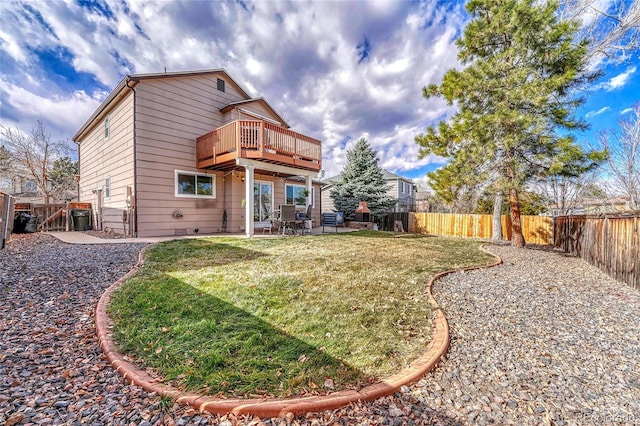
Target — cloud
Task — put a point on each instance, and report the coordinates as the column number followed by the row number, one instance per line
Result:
column 598, row 112
column 335, row 70
column 626, row 111
column 618, row 81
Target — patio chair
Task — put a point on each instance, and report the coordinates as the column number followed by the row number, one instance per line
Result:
column 330, row 219
column 302, row 218
column 288, row 218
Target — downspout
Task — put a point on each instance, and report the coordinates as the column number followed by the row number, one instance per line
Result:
column 135, row 166
column 78, row 183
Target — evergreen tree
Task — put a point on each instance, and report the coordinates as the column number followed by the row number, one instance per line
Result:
column 361, row 179
column 522, row 67
column 62, row 177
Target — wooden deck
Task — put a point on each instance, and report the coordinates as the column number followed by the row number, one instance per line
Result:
column 257, row 140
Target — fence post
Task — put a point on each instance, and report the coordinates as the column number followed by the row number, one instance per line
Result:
column 4, row 229
column 606, row 244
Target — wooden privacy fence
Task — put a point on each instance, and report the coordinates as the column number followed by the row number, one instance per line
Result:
column 612, row 243
column 386, row 222
column 536, row 229
column 6, row 217
column 51, row 216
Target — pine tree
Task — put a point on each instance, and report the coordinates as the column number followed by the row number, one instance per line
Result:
column 361, row 179
column 62, row 177
column 522, row 67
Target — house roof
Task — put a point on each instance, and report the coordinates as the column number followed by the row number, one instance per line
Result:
column 261, row 100
column 385, row 173
column 390, row 176
column 135, row 78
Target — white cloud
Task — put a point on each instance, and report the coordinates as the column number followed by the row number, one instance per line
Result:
column 618, row 81
column 301, row 57
column 597, row 112
column 626, row 111
column 54, row 111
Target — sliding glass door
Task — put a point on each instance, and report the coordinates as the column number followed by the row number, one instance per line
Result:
column 262, row 201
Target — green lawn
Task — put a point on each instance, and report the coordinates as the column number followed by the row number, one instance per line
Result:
column 283, row 316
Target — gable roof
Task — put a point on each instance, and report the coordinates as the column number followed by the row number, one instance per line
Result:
column 261, row 100
column 390, row 176
column 129, row 82
column 385, row 173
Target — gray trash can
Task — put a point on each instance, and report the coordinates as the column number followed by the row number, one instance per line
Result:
column 32, row 225
column 81, row 219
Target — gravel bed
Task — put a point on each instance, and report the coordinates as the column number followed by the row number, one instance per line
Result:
column 542, row 339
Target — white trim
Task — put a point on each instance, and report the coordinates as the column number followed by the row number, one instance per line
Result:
column 294, row 185
column 270, row 183
column 106, row 126
column 275, row 168
column 107, row 188
column 196, row 174
column 261, row 117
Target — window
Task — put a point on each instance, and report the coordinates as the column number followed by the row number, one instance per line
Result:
column 5, row 183
column 221, row 85
column 31, row 186
column 295, row 194
column 195, row 185
column 107, row 187
column 106, row 127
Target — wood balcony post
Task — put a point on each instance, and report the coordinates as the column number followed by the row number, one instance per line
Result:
column 214, row 138
column 238, row 144
column 261, row 147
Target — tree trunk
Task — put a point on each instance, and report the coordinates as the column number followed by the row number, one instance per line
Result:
column 496, row 232
column 517, row 239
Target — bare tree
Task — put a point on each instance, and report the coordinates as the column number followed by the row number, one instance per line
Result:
column 567, row 193
column 623, row 164
column 613, row 27
column 35, row 152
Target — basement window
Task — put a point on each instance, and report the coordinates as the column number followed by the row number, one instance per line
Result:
column 221, row 85
column 195, row 185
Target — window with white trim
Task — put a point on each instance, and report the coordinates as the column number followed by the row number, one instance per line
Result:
column 195, row 185
column 107, row 188
column 295, row 194
column 107, row 125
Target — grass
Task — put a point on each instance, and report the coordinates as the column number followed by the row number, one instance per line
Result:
column 283, row 316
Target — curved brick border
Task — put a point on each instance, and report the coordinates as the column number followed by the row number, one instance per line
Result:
column 274, row 407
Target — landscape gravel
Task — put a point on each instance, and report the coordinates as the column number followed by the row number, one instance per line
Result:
column 542, row 339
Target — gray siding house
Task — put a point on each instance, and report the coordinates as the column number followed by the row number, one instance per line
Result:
column 401, row 189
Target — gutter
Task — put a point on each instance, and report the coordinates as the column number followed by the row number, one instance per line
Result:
column 99, row 113
column 135, row 165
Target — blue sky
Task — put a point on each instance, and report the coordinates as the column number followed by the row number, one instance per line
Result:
column 337, row 71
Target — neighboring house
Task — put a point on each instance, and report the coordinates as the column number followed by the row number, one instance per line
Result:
column 592, row 206
column 401, row 189
column 17, row 182
column 187, row 152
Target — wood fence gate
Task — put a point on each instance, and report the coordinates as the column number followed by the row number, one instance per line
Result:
column 52, row 217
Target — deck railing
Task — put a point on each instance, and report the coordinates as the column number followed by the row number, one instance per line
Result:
column 259, row 140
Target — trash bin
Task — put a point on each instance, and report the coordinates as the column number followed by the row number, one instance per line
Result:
column 80, row 219
column 20, row 223
column 32, row 225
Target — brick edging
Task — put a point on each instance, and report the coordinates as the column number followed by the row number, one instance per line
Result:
column 277, row 407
